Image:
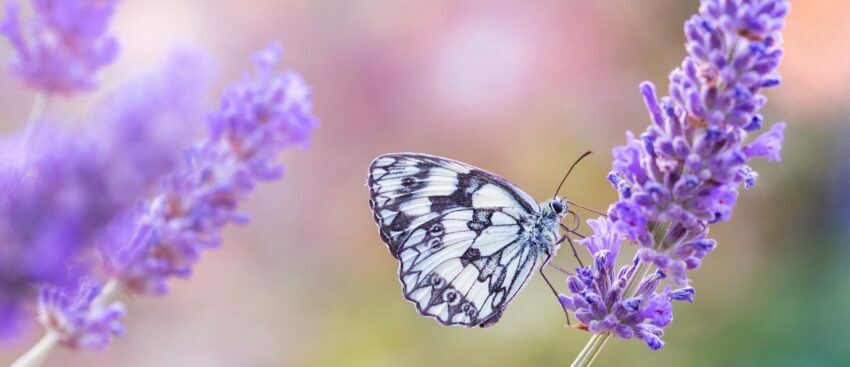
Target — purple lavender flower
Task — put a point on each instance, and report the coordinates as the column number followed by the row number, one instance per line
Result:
column 48, row 212
column 683, row 173
column 61, row 48
column 52, row 210
column 77, row 317
column 143, row 127
column 259, row 116
column 599, row 298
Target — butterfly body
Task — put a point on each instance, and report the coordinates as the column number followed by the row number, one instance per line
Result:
column 467, row 240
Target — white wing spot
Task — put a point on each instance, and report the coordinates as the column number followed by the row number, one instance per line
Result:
column 491, row 196
column 416, row 207
column 388, row 215
column 500, row 218
column 493, row 239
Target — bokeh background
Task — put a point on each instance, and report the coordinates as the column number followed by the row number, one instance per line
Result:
column 518, row 88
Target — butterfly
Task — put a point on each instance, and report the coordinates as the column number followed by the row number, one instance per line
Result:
column 467, row 240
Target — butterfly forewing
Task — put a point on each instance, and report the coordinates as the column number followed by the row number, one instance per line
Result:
column 459, row 233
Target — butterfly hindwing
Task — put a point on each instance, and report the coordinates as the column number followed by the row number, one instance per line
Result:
column 458, row 232
column 462, row 270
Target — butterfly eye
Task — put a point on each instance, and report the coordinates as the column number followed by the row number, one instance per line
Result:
column 558, row 207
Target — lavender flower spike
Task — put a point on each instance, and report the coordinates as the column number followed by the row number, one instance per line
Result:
column 61, row 48
column 683, row 173
column 599, row 298
column 259, row 117
column 76, row 317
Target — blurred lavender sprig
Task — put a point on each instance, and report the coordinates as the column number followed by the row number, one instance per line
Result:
column 62, row 192
column 259, row 117
column 60, row 49
column 683, row 173
column 53, row 208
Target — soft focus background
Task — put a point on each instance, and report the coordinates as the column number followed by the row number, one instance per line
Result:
column 517, row 89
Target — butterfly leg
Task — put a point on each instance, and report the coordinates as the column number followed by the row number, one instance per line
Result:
column 559, row 268
column 551, row 287
column 572, row 246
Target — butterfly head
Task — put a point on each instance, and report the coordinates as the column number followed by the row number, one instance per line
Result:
column 557, row 206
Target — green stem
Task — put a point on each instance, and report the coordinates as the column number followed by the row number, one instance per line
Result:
column 37, row 354
column 591, row 350
column 594, row 346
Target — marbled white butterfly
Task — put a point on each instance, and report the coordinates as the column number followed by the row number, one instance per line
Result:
column 467, row 240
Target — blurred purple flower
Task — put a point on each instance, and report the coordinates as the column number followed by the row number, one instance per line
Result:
column 65, row 43
column 258, row 118
column 683, row 173
column 146, row 124
column 599, row 297
column 77, row 317
column 52, row 210
column 48, row 213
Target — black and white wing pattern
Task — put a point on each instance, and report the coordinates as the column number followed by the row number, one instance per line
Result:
column 459, row 233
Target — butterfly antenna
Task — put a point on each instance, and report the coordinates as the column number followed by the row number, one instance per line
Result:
column 588, row 209
column 587, row 153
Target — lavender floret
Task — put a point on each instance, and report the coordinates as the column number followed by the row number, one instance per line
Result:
column 598, row 293
column 61, row 48
column 78, row 319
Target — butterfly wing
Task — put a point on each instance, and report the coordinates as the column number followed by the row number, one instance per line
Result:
column 459, row 232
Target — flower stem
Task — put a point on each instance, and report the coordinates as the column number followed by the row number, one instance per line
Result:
column 110, row 289
column 591, row 350
column 39, row 351
column 35, row 355
column 597, row 341
column 39, row 108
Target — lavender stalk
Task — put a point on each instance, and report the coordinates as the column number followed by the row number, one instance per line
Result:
column 681, row 175
column 259, row 117
column 39, row 109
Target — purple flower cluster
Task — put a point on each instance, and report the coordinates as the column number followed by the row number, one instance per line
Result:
column 53, row 209
column 258, row 117
column 74, row 191
column 599, row 298
column 48, row 213
column 61, row 48
column 683, row 173
column 78, row 317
